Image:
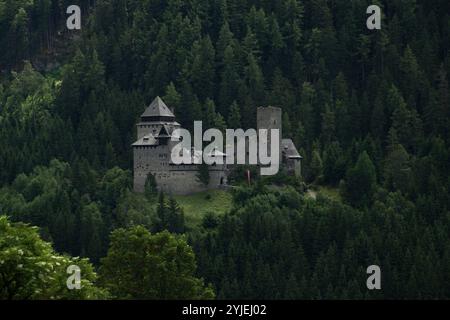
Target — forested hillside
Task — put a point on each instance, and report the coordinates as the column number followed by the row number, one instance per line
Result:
column 369, row 111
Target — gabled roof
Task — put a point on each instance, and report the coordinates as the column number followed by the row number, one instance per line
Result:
column 163, row 133
column 174, row 123
column 157, row 109
column 289, row 149
column 147, row 140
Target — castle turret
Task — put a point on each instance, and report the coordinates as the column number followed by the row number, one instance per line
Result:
column 163, row 136
column 155, row 116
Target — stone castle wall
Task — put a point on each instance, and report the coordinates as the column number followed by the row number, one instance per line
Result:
column 174, row 179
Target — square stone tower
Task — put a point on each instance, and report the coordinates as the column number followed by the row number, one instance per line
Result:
column 270, row 118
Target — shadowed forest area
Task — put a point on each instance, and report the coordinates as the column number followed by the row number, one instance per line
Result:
column 369, row 111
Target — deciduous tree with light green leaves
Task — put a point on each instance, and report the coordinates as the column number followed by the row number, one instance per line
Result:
column 30, row 268
column 141, row 265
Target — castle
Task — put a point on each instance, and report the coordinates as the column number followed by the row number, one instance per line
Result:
column 156, row 138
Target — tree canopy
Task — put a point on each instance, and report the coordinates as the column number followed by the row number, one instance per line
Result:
column 142, row 265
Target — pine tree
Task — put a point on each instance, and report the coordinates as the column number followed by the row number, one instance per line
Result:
column 219, row 123
column 175, row 221
column 234, row 117
column 209, row 114
column 378, row 118
column 443, row 102
column 150, row 188
column 255, row 80
column 406, row 123
column 316, row 165
column 203, row 174
column 157, row 76
column 229, row 80
column 397, row 172
column 172, row 98
column 361, row 181
column 19, row 28
column 202, row 68
column 333, row 163
column 328, row 125
column 411, row 74
column 91, row 232
column 162, row 214
column 225, row 40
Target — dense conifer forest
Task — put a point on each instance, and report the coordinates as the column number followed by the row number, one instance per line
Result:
column 369, row 111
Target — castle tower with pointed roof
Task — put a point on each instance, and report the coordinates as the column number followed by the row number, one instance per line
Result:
column 152, row 155
column 155, row 116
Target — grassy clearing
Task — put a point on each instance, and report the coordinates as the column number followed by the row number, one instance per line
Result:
column 324, row 191
column 196, row 205
column 330, row 192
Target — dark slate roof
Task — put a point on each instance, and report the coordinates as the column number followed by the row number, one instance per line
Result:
column 290, row 150
column 157, row 109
